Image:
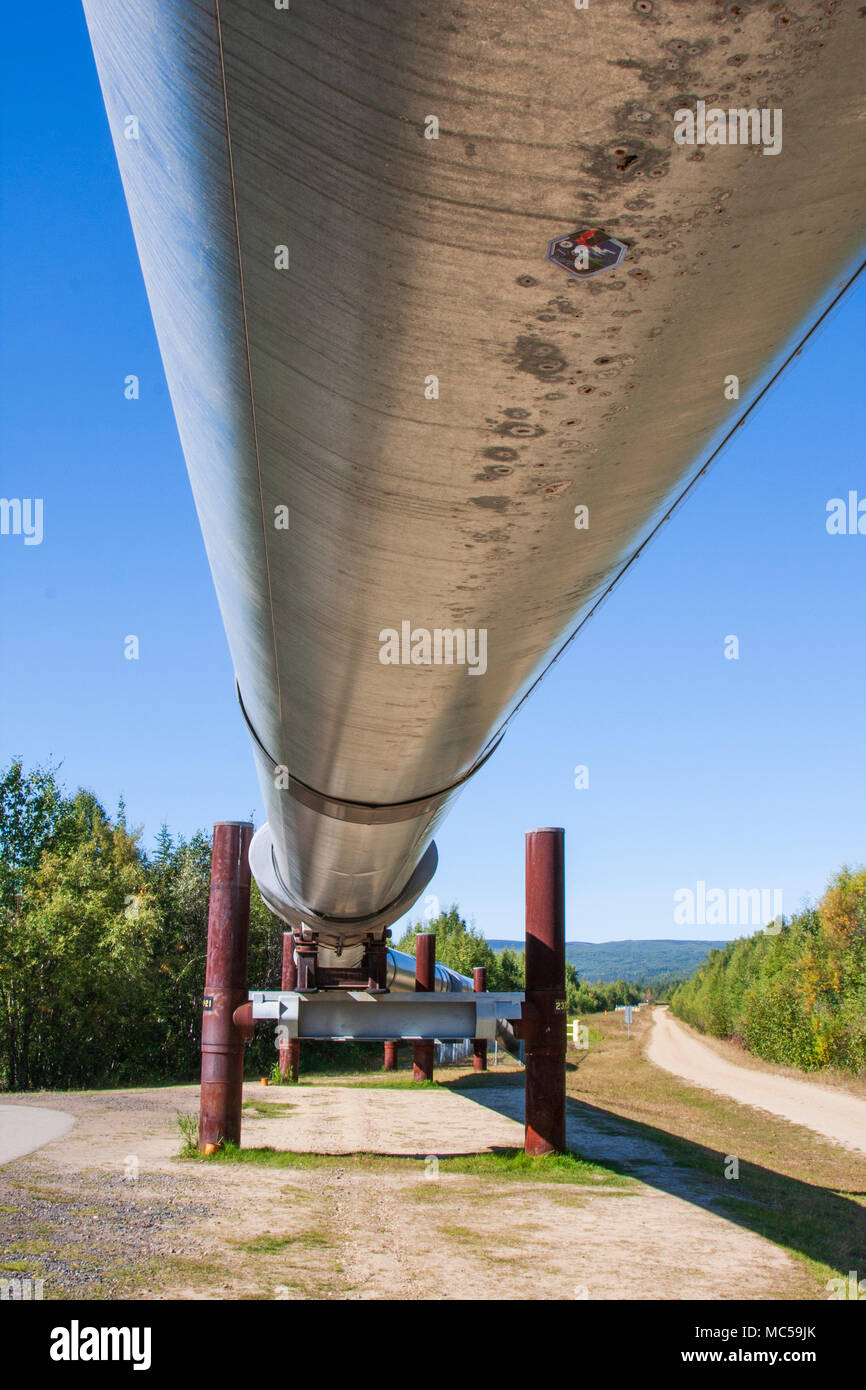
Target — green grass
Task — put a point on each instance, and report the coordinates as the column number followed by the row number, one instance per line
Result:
column 484, row 1080
column 33, row 1246
column 387, row 1083
column 276, row 1245
column 373, row 1083
column 40, row 1193
column 187, row 1126
column 464, row 1234
column 266, row 1108
column 514, row 1163
column 500, row 1164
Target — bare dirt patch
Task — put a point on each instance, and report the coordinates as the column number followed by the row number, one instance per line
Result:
column 376, row 1228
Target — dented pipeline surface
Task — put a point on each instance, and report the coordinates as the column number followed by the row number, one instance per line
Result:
column 364, row 337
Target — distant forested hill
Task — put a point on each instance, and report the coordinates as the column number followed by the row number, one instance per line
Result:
column 631, row 960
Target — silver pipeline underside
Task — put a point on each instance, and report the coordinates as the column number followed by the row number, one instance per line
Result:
column 391, row 402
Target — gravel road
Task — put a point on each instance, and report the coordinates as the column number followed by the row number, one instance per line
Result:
column 835, row 1114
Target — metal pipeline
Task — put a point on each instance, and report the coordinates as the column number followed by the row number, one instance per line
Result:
column 405, row 421
column 401, row 977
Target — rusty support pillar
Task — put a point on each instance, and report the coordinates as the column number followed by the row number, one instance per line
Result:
column 290, row 1048
column 228, row 930
column 479, row 1045
column 544, row 1030
column 425, row 982
column 391, row 1055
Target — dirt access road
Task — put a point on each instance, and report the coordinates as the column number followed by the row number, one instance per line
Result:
column 832, row 1113
column 21, row 1133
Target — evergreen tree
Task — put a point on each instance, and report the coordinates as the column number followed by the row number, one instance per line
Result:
column 461, row 947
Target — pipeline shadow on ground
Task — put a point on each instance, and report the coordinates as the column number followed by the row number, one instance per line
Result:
column 804, row 1217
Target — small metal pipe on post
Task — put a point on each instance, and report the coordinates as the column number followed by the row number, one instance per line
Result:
column 228, row 930
column 391, row 1055
column 425, row 983
column 544, row 1026
column 479, row 1045
column 290, row 1048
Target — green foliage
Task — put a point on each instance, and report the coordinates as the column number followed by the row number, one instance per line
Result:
column 797, row 996
column 584, row 998
column 76, row 923
column 462, row 947
column 31, row 812
column 102, row 951
column 187, row 1126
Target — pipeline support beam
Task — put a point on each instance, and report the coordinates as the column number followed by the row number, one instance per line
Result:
column 341, row 1015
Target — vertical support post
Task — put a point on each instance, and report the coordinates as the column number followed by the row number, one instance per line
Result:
column 479, row 1045
column 377, row 966
column 290, row 1048
column 545, row 992
column 391, row 1055
column 425, row 982
column 306, row 955
column 228, row 932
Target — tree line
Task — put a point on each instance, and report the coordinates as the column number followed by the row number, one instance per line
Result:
column 796, row 993
column 462, row 946
column 103, row 949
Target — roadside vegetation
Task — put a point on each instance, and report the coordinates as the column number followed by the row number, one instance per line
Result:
column 796, row 996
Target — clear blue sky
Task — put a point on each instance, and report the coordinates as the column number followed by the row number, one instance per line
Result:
column 744, row 773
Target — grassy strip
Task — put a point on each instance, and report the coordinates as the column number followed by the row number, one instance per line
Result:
column 502, row 1163
column 267, row 1108
column 382, row 1083
column 278, row 1245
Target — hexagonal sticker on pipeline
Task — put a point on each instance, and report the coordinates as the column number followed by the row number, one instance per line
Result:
column 586, row 253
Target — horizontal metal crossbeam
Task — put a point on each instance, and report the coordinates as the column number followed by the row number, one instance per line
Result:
column 343, row 1015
